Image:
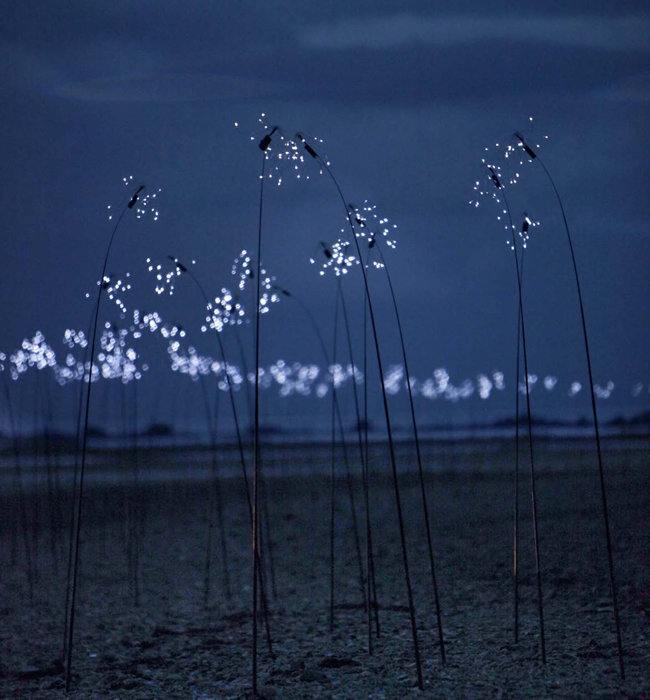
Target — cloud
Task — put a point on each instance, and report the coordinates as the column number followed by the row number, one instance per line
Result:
column 633, row 89
column 169, row 87
column 629, row 33
column 24, row 69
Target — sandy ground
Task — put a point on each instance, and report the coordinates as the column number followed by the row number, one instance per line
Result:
column 172, row 645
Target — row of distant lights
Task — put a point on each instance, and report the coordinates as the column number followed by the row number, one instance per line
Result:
column 117, row 360
column 299, row 379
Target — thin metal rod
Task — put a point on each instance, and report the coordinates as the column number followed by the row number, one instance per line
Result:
column 398, row 502
column 425, row 508
column 601, row 471
column 240, row 447
column 515, row 526
column 339, row 419
column 533, row 492
column 82, row 471
column 256, row 430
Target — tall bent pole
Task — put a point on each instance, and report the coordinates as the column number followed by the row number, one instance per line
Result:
column 533, row 491
column 398, row 502
column 425, row 508
column 601, row 472
column 75, row 542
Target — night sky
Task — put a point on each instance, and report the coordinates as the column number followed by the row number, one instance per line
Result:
column 406, row 98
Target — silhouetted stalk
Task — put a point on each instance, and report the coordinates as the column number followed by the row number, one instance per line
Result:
column 22, row 506
column 366, row 447
column 41, row 431
column 336, row 409
column 75, row 476
column 56, row 517
column 540, row 602
column 78, row 514
column 515, row 533
column 35, row 499
column 425, row 508
column 265, row 519
column 11, row 520
column 240, row 444
column 129, row 500
column 256, row 423
column 371, row 590
column 402, row 532
column 137, row 498
column 333, row 465
column 601, row 472
column 215, row 501
column 266, row 539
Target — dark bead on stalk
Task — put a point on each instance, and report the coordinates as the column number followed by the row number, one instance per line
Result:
column 308, row 148
column 525, row 146
column 134, row 198
column 179, row 265
column 266, row 140
column 357, row 218
column 495, row 178
column 326, row 251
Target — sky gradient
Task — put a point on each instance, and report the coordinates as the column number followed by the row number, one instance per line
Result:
column 406, row 99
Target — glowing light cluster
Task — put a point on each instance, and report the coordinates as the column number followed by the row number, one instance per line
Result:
column 226, row 310
column 484, row 386
column 116, row 360
column 549, row 383
column 294, row 378
column 532, row 381
column 171, row 330
column 190, row 363
column 34, row 352
column 373, row 227
column 71, row 338
column 151, row 321
column 604, row 392
column 284, row 151
column 115, row 287
column 166, row 273
column 393, row 379
column 143, row 204
column 523, row 149
column 575, row 389
column 441, row 386
column 242, row 269
column 490, row 185
column 335, row 257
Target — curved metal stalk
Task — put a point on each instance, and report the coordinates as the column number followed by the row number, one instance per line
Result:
column 76, row 543
column 240, row 445
column 336, row 409
column 533, row 491
column 396, row 488
column 425, row 509
column 601, row 471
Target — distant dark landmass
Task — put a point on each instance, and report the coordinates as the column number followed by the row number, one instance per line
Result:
column 638, row 425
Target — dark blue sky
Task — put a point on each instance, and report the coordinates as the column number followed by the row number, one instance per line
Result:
column 406, row 98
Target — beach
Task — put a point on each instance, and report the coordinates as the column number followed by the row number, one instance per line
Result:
column 145, row 628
